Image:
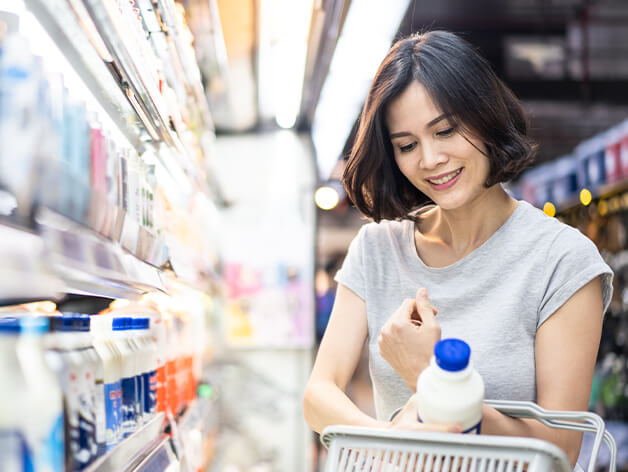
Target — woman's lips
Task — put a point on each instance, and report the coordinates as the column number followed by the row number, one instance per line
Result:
column 445, row 181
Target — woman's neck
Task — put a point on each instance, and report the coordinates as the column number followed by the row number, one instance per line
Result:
column 464, row 229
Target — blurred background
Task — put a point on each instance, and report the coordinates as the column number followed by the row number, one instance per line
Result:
column 184, row 158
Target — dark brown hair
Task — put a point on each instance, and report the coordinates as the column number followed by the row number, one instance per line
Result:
column 463, row 85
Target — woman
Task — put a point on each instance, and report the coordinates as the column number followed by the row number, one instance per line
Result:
column 450, row 253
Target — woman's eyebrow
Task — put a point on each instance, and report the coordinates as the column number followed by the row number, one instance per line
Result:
column 401, row 134
column 436, row 120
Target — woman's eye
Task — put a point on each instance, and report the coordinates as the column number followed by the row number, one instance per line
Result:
column 407, row 147
column 446, row 132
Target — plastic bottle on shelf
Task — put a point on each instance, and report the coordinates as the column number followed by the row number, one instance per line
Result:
column 170, row 370
column 158, row 335
column 98, row 391
column 148, row 357
column 43, row 421
column 31, row 408
column 450, row 390
column 102, row 342
column 129, row 407
column 13, row 403
column 76, row 376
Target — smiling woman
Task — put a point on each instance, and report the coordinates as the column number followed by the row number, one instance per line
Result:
column 453, row 92
column 438, row 134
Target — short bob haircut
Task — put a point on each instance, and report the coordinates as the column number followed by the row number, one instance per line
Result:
column 462, row 84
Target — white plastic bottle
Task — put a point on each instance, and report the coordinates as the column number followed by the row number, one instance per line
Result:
column 101, row 334
column 42, row 422
column 14, row 449
column 129, row 408
column 450, row 390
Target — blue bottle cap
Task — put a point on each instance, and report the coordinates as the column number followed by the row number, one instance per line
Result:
column 34, row 324
column 83, row 322
column 9, row 325
column 119, row 324
column 67, row 322
column 452, row 354
column 141, row 323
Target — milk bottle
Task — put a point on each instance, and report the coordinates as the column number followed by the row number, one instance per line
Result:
column 43, row 420
column 450, row 390
column 95, row 384
column 110, row 357
column 77, row 382
column 148, row 365
column 129, row 409
column 14, row 450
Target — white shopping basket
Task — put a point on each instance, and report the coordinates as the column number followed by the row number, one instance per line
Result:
column 353, row 449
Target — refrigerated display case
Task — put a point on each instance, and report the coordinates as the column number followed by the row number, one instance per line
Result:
column 107, row 188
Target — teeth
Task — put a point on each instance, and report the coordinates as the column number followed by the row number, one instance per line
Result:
column 446, row 179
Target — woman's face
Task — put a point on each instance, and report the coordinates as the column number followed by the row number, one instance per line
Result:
column 434, row 156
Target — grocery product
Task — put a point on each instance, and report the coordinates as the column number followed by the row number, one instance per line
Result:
column 450, row 390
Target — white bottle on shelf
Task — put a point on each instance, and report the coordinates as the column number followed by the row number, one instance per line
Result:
column 110, row 358
column 14, row 403
column 43, row 419
column 450, row 390
column 129, row 407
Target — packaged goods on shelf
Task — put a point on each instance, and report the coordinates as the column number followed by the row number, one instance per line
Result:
column 100, row 378
column 599, row 165
column 31, row 415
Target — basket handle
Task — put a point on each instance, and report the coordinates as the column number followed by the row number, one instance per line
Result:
column 573, row 420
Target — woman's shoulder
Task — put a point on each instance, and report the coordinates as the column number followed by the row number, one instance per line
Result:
column 385, row 230
column 542, row 230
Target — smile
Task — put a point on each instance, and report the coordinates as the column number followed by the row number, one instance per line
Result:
column 443, row 179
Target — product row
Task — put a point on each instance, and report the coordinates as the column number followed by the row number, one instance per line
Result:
column 62, row 153
column 75, row 386
column 62, row 150
column 593, row 165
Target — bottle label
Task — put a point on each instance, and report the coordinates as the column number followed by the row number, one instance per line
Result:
column 150, row 392
column 113, row 398
column 101, row 418
column 473, row 429
column 128, row 407
column 50, row 456
column 139, row 396
column 14, row 452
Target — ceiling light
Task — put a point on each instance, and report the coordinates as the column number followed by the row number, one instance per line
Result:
column 326, row 198
column 282, row 50
column 365, row 39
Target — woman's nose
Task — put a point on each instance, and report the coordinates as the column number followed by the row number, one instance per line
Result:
column 432, row 157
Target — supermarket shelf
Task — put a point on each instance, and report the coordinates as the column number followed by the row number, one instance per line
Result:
column 161, row 458
column 61, row 24
column 133, row 450
column 23, row 272
column 88, row 263
column 149, row 107
column 194, row 437
column 602, row 192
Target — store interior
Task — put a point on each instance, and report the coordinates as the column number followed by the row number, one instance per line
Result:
column 171, row 202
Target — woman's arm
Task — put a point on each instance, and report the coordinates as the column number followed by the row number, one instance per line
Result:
column 325, row 401
column 565, row 351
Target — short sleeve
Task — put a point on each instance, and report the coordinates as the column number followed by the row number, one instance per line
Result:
column 573, row 260
column 352, row 273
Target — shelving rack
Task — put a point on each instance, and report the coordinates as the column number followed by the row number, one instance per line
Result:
column 111, row 254
column 128, row 260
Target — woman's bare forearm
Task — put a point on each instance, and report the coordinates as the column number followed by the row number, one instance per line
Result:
column 324, row 404
column 496, row 423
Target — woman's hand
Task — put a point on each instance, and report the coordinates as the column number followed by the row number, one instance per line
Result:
column 407, row 419
column 407, row 339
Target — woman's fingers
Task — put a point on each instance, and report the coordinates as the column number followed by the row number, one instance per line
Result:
column 424, row 307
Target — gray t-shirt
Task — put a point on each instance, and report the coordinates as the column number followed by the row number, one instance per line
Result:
column 494, row 298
